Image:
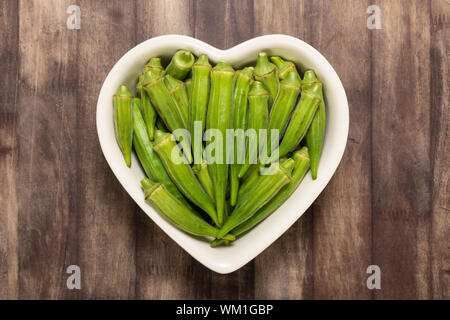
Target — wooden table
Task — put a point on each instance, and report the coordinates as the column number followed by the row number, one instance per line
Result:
column 387, row 205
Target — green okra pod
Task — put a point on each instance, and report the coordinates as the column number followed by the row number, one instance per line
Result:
column 205, row 179
column 181, row 64
column 155, row 67
column 284, row 67
column 188, row 85
column 148, row 111
column 150, row 161
column 180, row 215
column 123, row 121
column 301, row 118
column 301, row 166
column 267, row 73
column 181, row 173
column 281, row 110
column 167, row 109
column 266, row 188
column 242, row 82
column 199, row 103
column 258, row 118
column 316, row 132
column 177, row 91
column 219, row 118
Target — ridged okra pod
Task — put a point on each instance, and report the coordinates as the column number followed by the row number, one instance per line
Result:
column 199, row 103
column 177, row 91
column 267, row 187
column 266, row 72
column 181, row 64
column 284, row 67
column 167, row 109
column 182, row 174
column 188, row 85
column 180, row 215
column 205, row 179
column 316, row 132
column 155, row 67
column 150, row 161
column 258, row 118
column 301, row 166
column 219, row 118
column 282, row 108
column 123, row 121
column 148, row 111
column 242, row 82
column 301, row 118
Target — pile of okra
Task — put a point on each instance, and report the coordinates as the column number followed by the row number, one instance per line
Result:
column 220, row 199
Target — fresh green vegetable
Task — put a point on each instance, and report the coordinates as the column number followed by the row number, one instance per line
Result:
column 167, row 109
column 148, row 158
column 181, row 64
column 182, row 216
column 258, row 118
column 199, row 103
column 148, row 112
column 188, row 85
column 205, row 179
column 219, row 118
column 266, row 188
column 182, row 174
column 242, row 82
column 316, row 132
column 266, row 72
column 284, row 67
column 155, row 67
column 177, row 91
column 123, row 121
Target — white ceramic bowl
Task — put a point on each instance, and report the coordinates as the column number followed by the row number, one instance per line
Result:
column 229, row 259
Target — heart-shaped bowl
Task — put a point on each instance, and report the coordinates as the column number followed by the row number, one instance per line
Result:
column 248, row 246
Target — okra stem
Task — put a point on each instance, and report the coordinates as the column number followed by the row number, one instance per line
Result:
column 123, row 121
column 266, row 72
column 181, row 64
column 284, row 67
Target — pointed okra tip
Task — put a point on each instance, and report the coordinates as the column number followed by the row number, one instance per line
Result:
column 263, row 65
column 202, row 60
column 184, row 59
column 123, row 91
column 160, row 136
column 293, row 79
column 309, row 76
column 258, row 89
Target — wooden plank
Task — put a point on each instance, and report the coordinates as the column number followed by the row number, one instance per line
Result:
column 221, row 24
column 46, row 135
column 106, row 221
column 342, row 213
column 9, row 260
column 164, row 270
column 440, row 149
column 401, row 150
column 284, row 270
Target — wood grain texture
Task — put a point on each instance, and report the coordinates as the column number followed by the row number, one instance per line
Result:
column 342, row 218
column 9, row 260
column 387, row 204
column 289, row 259
column 440, row 149
column 401, row 149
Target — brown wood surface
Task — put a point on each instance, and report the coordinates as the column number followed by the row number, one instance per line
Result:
column 387, row 204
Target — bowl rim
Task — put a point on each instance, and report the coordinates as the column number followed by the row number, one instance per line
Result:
column 138, row 50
